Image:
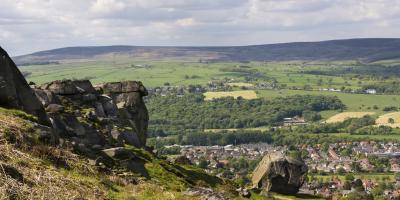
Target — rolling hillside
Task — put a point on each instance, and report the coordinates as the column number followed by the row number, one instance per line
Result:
column 367, row 50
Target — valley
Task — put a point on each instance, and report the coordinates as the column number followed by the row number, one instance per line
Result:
column 340, row 116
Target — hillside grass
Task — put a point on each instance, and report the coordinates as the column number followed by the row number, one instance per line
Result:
column 384, row 120
column 33, row 170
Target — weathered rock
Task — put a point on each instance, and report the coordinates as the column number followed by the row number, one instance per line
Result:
column 69, row 87
column 15, row 92
column 94, row 119
column 110, row 109
column 85, row 85
column 124, row 158
column 205, row 194
column 124, row 87
column 54, row 108
column 279, row 173
column 46, row 97
column 63, row 87
column 128, row 96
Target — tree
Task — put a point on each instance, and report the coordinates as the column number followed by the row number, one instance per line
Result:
column 311, row 116
column 355, row 167
column 358, row 185
column 347, row 185
column 341, row 171
column 349, row 177
column 358, row 195
column 203, row 164
column 391, row 121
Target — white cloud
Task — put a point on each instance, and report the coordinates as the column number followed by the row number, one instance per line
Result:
column 31, row 25
column 107, row 6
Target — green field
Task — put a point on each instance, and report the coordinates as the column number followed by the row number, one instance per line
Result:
column 354, row 102
column 156, row 73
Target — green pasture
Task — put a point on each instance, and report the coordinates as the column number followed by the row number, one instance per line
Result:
column 354, row 102
column 156, row 73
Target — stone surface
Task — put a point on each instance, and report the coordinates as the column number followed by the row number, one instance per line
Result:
column 204, row 194
column 128, row 98
column 279, row 173
column 78, row 110
column 55, row 108
column 69, row 87
column 16, row 93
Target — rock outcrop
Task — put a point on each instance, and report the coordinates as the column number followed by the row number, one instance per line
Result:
column 279, row 173
column 91, row 119
column 81, row 116
column 15, row 92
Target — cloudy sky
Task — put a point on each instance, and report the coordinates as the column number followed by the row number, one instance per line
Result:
column 31, row 25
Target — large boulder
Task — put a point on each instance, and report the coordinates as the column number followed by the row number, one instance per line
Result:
column 15, row 92
column 279, row 173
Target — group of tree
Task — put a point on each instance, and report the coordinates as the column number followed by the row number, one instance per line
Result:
column 172, row 114
column 358, row 126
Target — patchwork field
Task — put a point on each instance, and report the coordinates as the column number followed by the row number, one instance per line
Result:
column 389, row 119
column 347, row 115
column 184, row 72
column 246, row 94
column 188, row 72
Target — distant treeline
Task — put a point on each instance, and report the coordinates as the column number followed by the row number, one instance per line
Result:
column 377, row 71
column 210, row 138
column 171, row 115
column 40, row 63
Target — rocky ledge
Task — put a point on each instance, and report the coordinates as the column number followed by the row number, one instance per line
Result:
column 96, row 118
column 83, row 117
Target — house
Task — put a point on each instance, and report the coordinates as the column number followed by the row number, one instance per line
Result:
column 370, row 91
column 333, row 155
column 288, row 121
column 365, row 165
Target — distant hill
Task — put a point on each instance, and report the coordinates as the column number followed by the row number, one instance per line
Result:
column 367, row 50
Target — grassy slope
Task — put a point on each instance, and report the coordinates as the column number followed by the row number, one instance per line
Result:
column 31, row 170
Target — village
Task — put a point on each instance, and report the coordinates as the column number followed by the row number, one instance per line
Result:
column 232, row 84
column 374, row 165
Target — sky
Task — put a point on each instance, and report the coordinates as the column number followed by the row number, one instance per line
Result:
column 27, row 26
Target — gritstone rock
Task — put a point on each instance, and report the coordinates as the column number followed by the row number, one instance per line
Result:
column 16, row 93
column 279, row 173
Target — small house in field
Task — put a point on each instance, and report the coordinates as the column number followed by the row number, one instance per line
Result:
column 370, row 91
column 289, row 121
